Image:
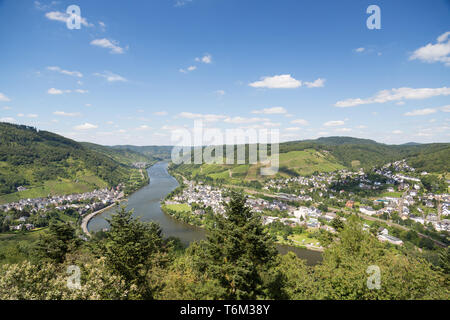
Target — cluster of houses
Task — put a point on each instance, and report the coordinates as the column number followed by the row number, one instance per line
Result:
column 260, row 205
column 304, row 216
column 440, row 222
column 98, row 199
column 385, row 236
column 201, row 194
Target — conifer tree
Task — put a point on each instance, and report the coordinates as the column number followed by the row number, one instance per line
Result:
column 238, row 252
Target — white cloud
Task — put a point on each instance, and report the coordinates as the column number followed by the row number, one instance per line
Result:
column 160, row 113
column 315, row 84
column 293, row 129
column 86, row 126
column 143, row 127
column 334, row 123
column 102, row 26
column 62, row 17
column 109, row 44
column 395, row 94
column 397, row 132
column 445, row 108
column 301, row 122
column 66, row 72
column 81, row 91
column 30, row 115
column 67, row 114
column 438, row 52
column 204, row 117
column 188, row 69
column 111, row 77
column 54, row 91
column 43, row 7
column 274, row 110
column 241, row 120
column 88, row 105
column 271, row 124
column 360, row 49
column 420, row 112
column 6, row 108
column 283, row 81
column 207, row 58
column 361, row 126
column 343, row 130
column 4, row 97
column 171, row 127
column 8, row 119
column 220, row 92
column 181, row 3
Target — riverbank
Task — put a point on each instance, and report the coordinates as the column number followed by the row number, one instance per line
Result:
column 189, row 218
column 147, row 203
column 87, row 218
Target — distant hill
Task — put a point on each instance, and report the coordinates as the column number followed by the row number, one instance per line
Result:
column 328, row 154
column 335, row 141
column 44, row 163
column 122, row 155
column 411, row 144
column 349, row 151
column 151, row 152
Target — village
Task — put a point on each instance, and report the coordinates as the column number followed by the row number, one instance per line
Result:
column 297, row 201
column 82, row 203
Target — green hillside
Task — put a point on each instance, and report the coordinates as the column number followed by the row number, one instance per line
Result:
column 46, row 163
column 367, row 153
column 124, row 156
column 329, row 154
column 293, row 163
column 151, row 152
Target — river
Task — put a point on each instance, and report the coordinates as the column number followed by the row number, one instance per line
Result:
column 146, row 205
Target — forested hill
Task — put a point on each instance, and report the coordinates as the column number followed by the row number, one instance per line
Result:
column 152, row 152
column 123, row 155
column 365, row 153
column 44, row 163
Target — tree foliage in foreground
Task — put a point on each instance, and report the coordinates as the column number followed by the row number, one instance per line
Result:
column 238, row 252
column 133, row 249
column 238, row 260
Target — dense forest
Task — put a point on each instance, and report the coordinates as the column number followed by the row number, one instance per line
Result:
column 424, row 157
column 30, row 157
column 238, row 260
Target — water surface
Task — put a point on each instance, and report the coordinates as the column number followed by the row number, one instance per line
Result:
column 146, row 204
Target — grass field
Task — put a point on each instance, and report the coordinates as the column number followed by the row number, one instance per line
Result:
column 84, row 182
column 182, row 207
column 303, row 239
column 14, row 246
column 303, row 162
column 297, row 240
column 392, row 194
column 308, row 161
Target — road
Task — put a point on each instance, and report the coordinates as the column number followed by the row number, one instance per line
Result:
column 393, row 224
column 87, row 218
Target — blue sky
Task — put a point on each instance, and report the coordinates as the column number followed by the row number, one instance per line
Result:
column 138, row 69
